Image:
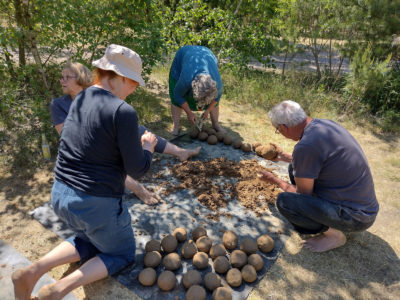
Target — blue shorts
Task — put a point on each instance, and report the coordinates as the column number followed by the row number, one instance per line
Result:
column 102, row 226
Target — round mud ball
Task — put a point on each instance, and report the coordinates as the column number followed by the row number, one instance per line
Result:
column 230, row 240
column 204, row 244
column 172, row 261
column 217, row 250
column 256, row 261
column 152, row 259
column 199, row 232
column 221, row 264
column 147, row 276
column 249, row 273
column 222, row 293
column 237, row 144
column 180, row 234
column 212, row 139
column 258, row 150
column 220, row 136
column 169, row 243
column 153, row 245
column 196, row 292
column 210, row 130
column 190, row 278
column 238, row 259
column 265, row 243
column 246, row 147
column 269, row 152
column 234, row 277
column 227, row 140
column 249, row 246
column 255, row 145
column 189, row 249
column 166, row 281
column 212, row 281
column 200, row 260
column 194, row 133
column 203, row 136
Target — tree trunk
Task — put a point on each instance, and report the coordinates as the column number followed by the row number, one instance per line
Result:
column 315, row 52
column 22, row 26
column 284, row 62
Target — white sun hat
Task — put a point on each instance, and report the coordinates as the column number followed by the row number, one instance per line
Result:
column 123, row 61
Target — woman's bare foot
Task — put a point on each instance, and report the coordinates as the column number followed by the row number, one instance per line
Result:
column 48, row 292
column 328, row 240
column 146, row 196
column 23, row 280
column 188, row 153
column 218, row 128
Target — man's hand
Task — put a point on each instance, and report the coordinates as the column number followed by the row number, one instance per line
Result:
column 149, row 141
column 266, row 176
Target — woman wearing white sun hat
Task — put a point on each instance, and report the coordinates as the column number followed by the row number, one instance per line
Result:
column 99, row 146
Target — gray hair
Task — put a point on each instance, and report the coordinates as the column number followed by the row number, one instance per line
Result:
column 204, row 90
column 288, row 113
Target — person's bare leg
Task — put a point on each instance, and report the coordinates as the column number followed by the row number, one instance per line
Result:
column 176, row 112
column 141, row 192
column 181, row 153
column 214, row 115
column 330, row 239
column 25, row 279
column 93, row 270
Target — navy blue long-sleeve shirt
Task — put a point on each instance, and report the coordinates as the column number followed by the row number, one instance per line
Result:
column 100, row 144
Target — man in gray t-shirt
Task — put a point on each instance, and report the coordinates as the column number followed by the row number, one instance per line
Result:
column 332, row 189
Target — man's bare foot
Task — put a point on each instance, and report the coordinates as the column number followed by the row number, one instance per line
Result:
column 175, row 131
column 328, row 240
column 23, row 280
column 48, row 292
column 188, row 153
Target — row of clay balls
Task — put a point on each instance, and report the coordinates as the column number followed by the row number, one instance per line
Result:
column 244, row 262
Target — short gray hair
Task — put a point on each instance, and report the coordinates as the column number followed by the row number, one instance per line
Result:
column 288, row 113
column 204, row 90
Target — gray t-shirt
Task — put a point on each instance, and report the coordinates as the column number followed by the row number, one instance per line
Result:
column 329, row 154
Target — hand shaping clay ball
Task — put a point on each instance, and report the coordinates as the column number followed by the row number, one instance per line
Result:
column 217, row 250
column 172, row 261
column 220, row 135
column 204, row 244
column 255, row 145
column 203, row 136
column 152, row 259
column 199, row 232
column 265, row 243
column 194, row 133
column 269, row 152
column 153, row 245
column 227, row 140
column 230, row 240
column 237, row 144
column 212, row 139
column 221, row 264
column 249, row 274
column 147, row 276
column 169, row 243
column 256, row 261
column 180, row 234
column 212, row 281
column 222, row 293
column 190, row 278
column 238, row 259
column 166, row 281
column 196, row 292
column 189, row 249
column 246, row 147
column 200, row 260
column 234, row 277
column 210, row 130
column 249, row 246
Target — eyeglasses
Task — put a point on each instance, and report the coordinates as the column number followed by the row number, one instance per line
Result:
column 66, row 78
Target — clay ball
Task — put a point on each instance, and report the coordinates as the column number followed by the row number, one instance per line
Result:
column 169, row 243
column 153, row 245
column 200, row 260
column 255, row 145
column 227, row 140
column 203, row 136
column 256, row 261
column 147, row 276
column 234, row 277
column 220, row 136
column 269, row 152
column 246, row 147
column 210, row 130
column 199, row 232
column 190, row 278
column 221, row 264
column 180, row 234
column 204, row 244
column 194, row 133
column 238, row 259
column 236, row 144
column 212, row 281
column 249, row 273
column 230, row 240
column 166, row 281
column 258, row 150
column 217, row 250
column 212, row 139
column 249, row 246
column 222, row 293
column 265, row 243
column 172, row 261
column 152, row 259
column 189, row 249
column 196, row 292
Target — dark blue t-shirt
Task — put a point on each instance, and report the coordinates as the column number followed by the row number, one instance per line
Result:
column 331, row 156
column 100, row 145
column 59, row 109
